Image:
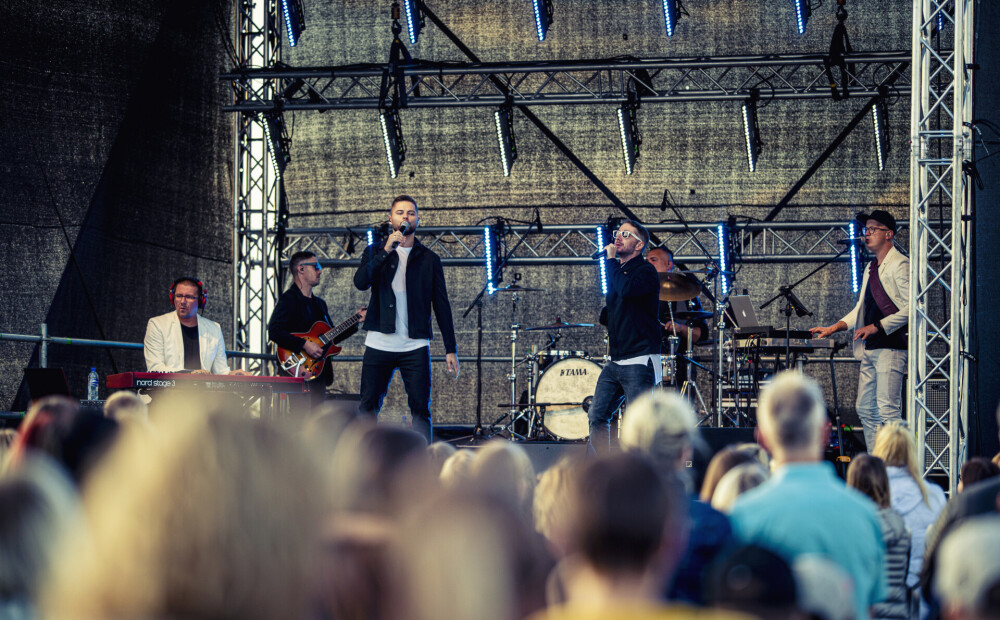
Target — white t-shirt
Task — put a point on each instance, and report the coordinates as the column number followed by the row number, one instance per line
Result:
column 399, row 342
column 645, row 359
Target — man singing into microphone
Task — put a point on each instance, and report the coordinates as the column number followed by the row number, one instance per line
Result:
column 633, row 330
column 879, row 322
column 407, row 280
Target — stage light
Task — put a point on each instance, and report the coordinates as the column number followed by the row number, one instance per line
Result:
column 489, row 245
column 855, row 257
column 414, row 18
column 802, row 11
column 751, row 132
column 722, row 232
column 295, row 21
column 879, row 116
column 628, row 129
column 277, row 141
column 504, row 119
column 670, row 16
column 600, row 263
column 940, row 17
column 370, row 234
column 392, row 135
column 543, row 17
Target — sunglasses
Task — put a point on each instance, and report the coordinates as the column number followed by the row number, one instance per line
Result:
column 624, row 234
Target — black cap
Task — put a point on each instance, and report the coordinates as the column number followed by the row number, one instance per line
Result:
column 882, row 217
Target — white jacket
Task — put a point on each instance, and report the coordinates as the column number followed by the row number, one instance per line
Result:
column 894, row 273
column 163, row 345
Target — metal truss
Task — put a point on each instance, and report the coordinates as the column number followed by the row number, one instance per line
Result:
column 659, row 80
column 941, row 116
column 751, row 242
column 257, row 186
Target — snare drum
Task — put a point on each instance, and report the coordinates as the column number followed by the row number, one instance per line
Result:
column 571, row 381
column 546, row 358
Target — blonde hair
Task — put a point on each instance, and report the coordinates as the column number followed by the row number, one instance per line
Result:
column 123, row 406
column 736, row 482
column 661, row 425
column 552, row 505
column 457, row 469
column 894, row 445
column 503, row 469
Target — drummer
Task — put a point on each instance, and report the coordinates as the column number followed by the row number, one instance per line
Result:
column 663, row 260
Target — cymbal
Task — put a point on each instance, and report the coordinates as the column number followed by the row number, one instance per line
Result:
column 692, row 315
column 558, row 325
column 677, row 287
column 708, row 270
column 517, row 288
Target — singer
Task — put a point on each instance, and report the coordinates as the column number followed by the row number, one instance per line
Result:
column 879, row 321
column 406, row 280
column 630, row 313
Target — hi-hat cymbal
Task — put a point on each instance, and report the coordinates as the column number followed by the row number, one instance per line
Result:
column 517, row 288
column 677, row 287
column 558, row 325
column 692, row 315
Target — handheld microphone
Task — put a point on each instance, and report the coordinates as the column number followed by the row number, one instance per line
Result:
column 402, row 230
column 596, row 255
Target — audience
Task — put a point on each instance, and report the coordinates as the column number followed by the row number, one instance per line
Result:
column 755, row 581
column 724, row 460
column 502, row 468
column 736, row 482
column 968, row 575
column 552, row 507
column 804, row 507
column 125, row 406
column 868, row 474
column 662, row 425
column 976, row 470
column 825, row 591
column 439, row 452
column 457, row 470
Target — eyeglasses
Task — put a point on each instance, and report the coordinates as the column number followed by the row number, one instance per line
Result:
column 624, row 234
column 868, row 230
column 315, row 265
column 186, row 297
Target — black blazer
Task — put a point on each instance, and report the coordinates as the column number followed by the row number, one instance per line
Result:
column 631, row 312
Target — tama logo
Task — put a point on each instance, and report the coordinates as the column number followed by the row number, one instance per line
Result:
column 566, row 372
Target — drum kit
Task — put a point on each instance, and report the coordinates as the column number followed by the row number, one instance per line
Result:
column 561, row 382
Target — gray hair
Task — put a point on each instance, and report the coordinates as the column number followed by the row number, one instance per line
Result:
column 791, row 410
column 661, row 425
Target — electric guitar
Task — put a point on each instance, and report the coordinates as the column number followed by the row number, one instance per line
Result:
column 301, row 365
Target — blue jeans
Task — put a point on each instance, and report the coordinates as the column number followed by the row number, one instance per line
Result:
column 880, row 390
column 615, row 383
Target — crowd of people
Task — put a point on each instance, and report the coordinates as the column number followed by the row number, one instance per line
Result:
column 194, row 510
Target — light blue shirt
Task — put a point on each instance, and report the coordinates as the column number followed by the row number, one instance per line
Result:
column 805, row 508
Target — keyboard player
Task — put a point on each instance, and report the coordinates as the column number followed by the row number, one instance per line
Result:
column 182, row 339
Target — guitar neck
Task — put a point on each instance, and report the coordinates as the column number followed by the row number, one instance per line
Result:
column 340, row 329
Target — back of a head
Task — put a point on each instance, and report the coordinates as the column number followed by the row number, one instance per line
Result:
column 379, row 470
column 553, row 502
column 976, row 470
column 867, row 474
column 123, row 406
column 825, row 590
column 215, row 516
column 894, row 445
column 439, row 452
column 736, row 482
column 791, row 413
column 753, row 580
column 503, row 469
column 660, row 424
column 623, row 509
column 724, row 460
column 45, row 427
column 457, row 469
column 967, row 580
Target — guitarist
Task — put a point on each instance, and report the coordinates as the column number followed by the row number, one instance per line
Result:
column 296, row 311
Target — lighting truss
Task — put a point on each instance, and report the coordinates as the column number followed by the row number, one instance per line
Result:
column 803, row 10
column 670, row 16
column 414, row 18
column 392, row 135
column 601, row 266
column 880, row 113
column 855, row 257
column 543, row 17
column 751, row 132
column 628, row 129
column 295, row 21
column 504, row 121
column 277, row 141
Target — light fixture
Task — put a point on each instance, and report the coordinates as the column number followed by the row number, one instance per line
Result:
column 277, row 141
column 392, row 135
column 803, row 10
column 414, row 18
column 879, row 115
column 670, row 16
column 489, row 256
column 504, row 120
column 628, row 129
column 722, row 231
column 543, row 17
column 751, row 131
column 370, row 235
column 855, row 257
column 603, row 271
column 295, row 21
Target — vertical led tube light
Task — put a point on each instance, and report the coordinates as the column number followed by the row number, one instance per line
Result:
column 543, row 17
column 602, row 268
column 295, row 21
column 855, row 258
column 504, row 121
column 751, row 133
column 722, row 231
column 488, row 247
column 370, row 235
column 626, row 129
column 414, row 21
column 670, row 16
column 802, row 11
column 879, row 111
column 392, row 135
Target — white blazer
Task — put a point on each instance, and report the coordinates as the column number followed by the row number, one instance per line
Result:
column 894, row 273
column 163, row 345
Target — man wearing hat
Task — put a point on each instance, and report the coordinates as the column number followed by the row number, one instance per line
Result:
column 879, row 322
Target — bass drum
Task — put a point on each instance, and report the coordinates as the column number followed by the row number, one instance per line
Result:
column 569, row 385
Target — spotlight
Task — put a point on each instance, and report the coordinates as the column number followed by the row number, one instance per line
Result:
column 855, row 257
column 751, row 131
column 504, row 119
column 629, row 131
column 670, row 16
column 723, row 232
column 543, row 17
column 879, row 115
column 600, row 264
column 277, row 141
column 803, row 10
column 392, row 135
column 414, row 18
column 295, row 21
column 490, row 258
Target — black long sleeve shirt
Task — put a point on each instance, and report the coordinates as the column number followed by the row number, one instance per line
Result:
column 631, row 308
column 296, row 313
